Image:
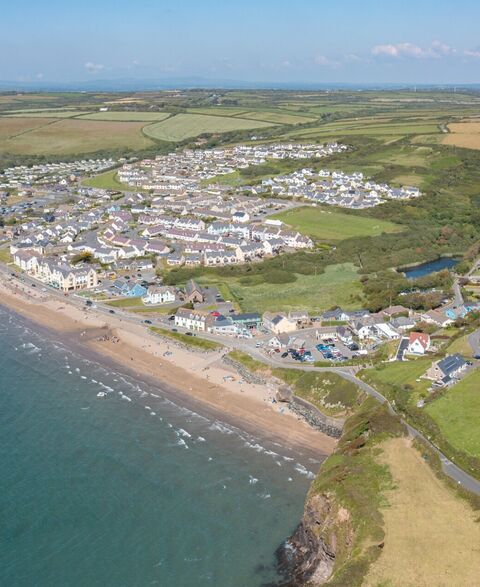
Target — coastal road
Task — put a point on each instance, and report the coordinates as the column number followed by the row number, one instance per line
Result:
column 474, row 342
column 449, row 468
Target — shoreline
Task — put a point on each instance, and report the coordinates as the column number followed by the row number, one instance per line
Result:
column 138, row 354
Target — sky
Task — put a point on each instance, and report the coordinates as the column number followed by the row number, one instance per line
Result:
column 278, row 41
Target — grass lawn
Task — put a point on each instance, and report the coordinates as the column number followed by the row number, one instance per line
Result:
column 107, row 181
column 425, row 524
column 126, row 303
column 154, row 309
column 399, row 373
column 184, row 126
column 460, row 345
column 5, row 256
column 315, row 293
column 193, row 341
column 326, row 225
column 458, row 414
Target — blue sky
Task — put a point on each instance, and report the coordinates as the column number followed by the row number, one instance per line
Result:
column 358, row 41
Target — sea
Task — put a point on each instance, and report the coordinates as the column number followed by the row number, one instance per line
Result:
column 105, row 480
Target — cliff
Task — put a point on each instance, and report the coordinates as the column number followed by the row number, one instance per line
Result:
column 308, row 556
column 341, row 532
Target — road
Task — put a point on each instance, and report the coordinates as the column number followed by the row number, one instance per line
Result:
column 457, row 290
column 474, row 342
column 449, row 468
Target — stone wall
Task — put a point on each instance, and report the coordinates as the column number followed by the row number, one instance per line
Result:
column 331, row 426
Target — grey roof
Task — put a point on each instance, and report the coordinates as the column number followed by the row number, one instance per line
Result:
column 451, row 364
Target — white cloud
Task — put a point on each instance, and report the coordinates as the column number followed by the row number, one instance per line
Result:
column 39, row 76
column 94, row 67
column 398, row 50
column 474, row 54
column 352, row 57
column 439, row 49
column 321, row 60
column 436, row 50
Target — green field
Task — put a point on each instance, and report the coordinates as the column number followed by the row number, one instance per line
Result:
column 184, row 126
column 106, row 181
column 61, row 113
column 399, row 374
column 128, row 116
column 277, row 117
column 126, row 303
column 323, row 224
column 46, row 136
column 316, row 293
column 457, row 413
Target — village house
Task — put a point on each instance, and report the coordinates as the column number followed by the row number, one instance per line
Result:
column 160, row 295
column 194, row 294
column 278, row 323
column 418, row 343
column 447, row 370
column 192, row 319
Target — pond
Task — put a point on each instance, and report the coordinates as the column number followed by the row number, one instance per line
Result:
column 430, row 267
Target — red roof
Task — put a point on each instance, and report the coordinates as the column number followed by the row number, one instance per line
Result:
column 422, row 337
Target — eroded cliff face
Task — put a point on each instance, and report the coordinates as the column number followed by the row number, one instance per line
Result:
column 323, row 536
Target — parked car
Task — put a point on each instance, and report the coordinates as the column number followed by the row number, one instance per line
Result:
column 112, row 311
column 147, row 321
column 189, row 333
column 284, row 355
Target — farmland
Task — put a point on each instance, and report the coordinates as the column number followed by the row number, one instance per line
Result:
column 66, row 137
column 322, row 224
column 463, row 134
column 183, row 126
column 457, row 413
column 127, row 116
column 47, row 113
column 11, row 127
column 418, row 523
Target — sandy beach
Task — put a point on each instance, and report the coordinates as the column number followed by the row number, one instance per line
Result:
column 197, row 378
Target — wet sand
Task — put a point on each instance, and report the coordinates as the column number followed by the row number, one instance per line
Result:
column 198, row 380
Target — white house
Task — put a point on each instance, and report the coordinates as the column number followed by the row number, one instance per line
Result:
column 160, row 295
column 418, row 343
column 191, row 319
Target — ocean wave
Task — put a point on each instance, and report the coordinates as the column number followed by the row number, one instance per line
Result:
column 304, row 471
column 223, row 428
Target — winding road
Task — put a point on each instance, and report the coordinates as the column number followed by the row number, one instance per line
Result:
column 449, row 468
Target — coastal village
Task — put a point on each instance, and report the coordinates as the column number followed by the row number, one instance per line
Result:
column 84, row 240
